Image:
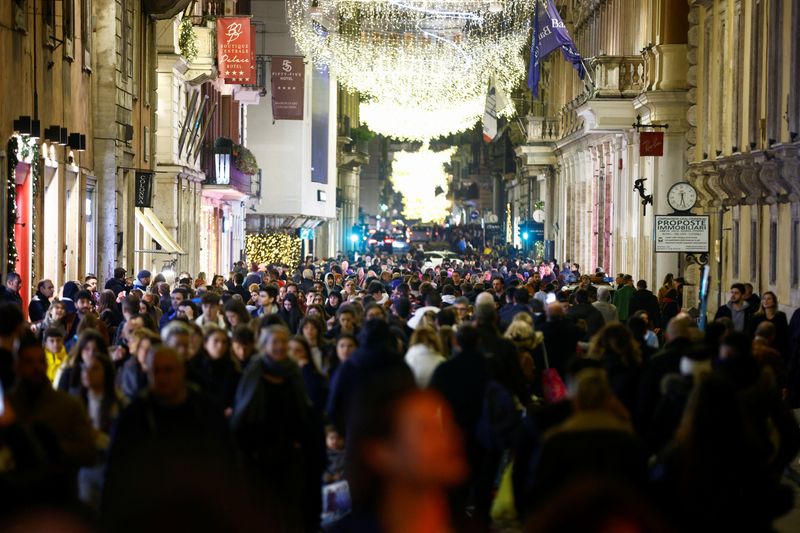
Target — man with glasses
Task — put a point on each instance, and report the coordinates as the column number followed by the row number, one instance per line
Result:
column 461, row 307
column 40, row 303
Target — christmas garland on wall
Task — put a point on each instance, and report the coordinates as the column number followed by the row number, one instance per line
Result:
column 29, row 151
column 32, row 150
column 11, row 205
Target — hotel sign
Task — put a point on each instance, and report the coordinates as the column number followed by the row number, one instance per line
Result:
column 288, row 87
column 235, row 50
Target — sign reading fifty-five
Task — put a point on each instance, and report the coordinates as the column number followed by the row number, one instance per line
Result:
column 287, row 75
column 235, row 50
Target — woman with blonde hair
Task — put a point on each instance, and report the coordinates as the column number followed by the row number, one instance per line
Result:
column 424, row 354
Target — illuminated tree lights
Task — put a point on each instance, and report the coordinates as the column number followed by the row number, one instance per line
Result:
column 416, row 175
column 417, row 56
column 272, row 248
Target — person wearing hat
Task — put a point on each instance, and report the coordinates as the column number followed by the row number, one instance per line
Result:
column 117, row 283
column 142, row 280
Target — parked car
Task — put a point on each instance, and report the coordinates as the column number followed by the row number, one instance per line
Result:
column 434, row 259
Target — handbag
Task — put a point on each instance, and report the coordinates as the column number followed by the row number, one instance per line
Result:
column 553, row 386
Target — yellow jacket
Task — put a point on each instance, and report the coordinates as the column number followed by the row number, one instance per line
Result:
column 54, row 362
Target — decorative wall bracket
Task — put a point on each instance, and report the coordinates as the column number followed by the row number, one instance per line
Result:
column 638, row 186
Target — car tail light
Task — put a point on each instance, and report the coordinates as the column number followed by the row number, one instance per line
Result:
column 388, row 241
column 372, row 241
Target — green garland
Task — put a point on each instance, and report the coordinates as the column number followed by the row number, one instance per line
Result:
column 11, row 201
column 187, row 40
column 244, row 160
column 32, row 149
column 28, row 150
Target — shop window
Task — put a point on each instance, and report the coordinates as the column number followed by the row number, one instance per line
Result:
column 49, row 19
column 90, row 233
column 21, row 15
column 773, row 252
column 86, row 33
column 68, row 27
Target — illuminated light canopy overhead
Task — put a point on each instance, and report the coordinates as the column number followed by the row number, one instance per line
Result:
column 414, row 124
column 417, row 175
column 419, row 56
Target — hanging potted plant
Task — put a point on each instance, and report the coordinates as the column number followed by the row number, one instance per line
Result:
column 244, row 160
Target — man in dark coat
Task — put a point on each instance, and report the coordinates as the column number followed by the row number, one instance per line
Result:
column 665, row 361
column 117, row 283
column 40, row 303
column 169, row 439
column 10, row 291
column 501, row 353
column 519, row 305
column 462, row 381
column 644, row 300
column 583, row 310
column 561, row 337
column 376, row 362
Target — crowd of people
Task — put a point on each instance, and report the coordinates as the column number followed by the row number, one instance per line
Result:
column 384, row 396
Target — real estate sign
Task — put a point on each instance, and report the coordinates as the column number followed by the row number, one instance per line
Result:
column 682, row 234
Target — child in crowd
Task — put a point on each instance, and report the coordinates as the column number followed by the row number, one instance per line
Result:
column 335, row 449
column 53, row 341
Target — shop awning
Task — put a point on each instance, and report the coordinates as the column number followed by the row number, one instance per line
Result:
column 164, row 9
column 153, row 226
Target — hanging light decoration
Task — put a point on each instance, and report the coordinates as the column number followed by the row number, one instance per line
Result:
column 418, row 176
column 407, row 123
column 429, row 59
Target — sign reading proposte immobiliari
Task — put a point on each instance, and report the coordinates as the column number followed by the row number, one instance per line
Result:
column 679, row 233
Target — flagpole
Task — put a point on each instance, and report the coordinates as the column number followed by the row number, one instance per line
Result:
column 588, row 72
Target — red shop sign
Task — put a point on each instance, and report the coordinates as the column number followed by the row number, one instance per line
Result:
column 234, row 49
column 651, row 143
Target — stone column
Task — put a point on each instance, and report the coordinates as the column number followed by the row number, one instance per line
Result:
column 670, row 108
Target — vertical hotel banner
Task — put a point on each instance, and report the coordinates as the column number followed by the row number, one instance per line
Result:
column 235, row 50
column 288, row 87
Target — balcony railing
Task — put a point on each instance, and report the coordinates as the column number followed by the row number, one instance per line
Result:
column 570, row 122
column 220, row 169
column 542, row 129
column 617, row 76
column 343, row 126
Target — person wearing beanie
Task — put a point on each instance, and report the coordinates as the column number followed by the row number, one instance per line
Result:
column 142, row 280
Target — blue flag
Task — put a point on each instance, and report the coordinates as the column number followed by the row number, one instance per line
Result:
column 550, row 33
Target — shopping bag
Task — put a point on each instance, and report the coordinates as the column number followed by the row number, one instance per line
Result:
column 503, row 509
column 553, row 386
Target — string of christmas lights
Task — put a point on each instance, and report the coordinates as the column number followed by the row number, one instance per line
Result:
column 272, row 248
column 417, row 56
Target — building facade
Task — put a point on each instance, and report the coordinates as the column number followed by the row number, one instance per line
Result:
column 298, row 156
column 581, row 158
column 743, row 149
column 722, row 75
column 48, row 184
